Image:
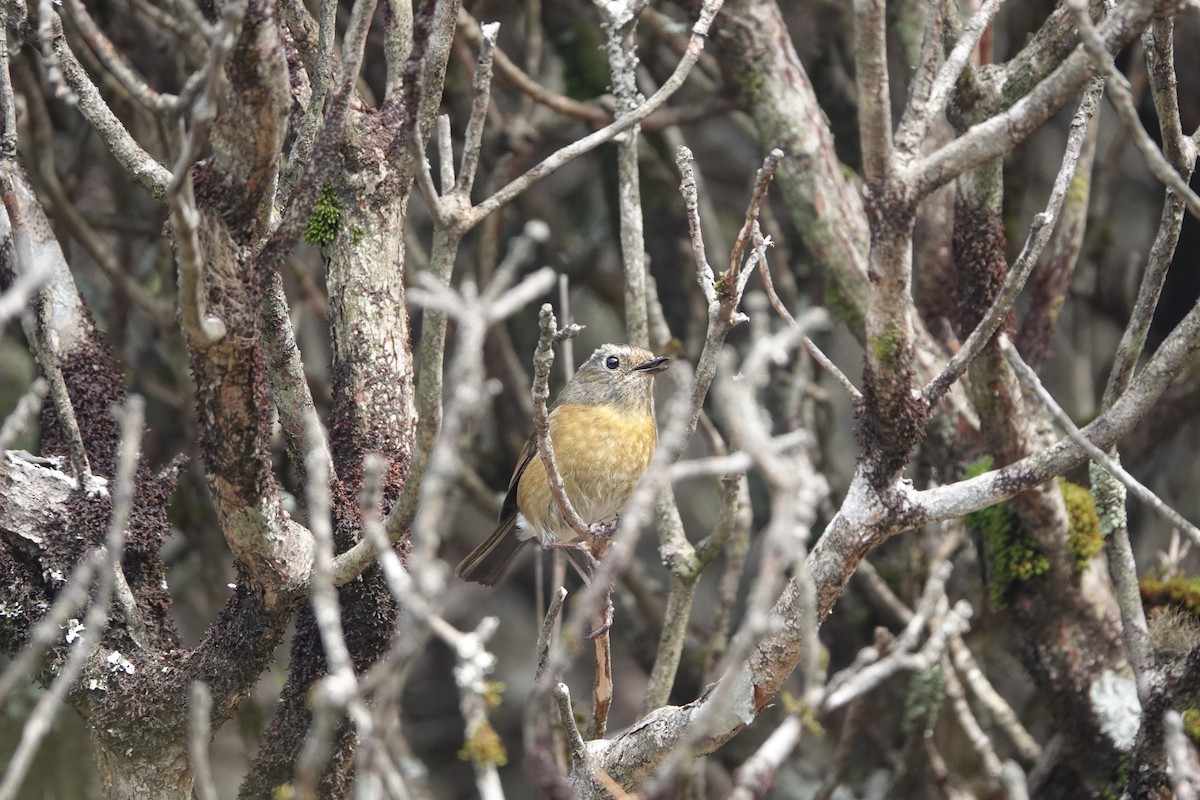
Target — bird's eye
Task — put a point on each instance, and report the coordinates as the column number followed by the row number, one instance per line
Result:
column 612, row 362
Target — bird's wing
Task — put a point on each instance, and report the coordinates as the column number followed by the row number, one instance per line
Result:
column 528, row 452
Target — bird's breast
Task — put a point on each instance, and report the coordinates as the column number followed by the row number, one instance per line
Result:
column 602, row 452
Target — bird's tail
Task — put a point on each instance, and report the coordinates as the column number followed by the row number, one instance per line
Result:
column 488, row 562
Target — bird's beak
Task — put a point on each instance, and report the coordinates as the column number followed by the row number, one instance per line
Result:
column 654, row 365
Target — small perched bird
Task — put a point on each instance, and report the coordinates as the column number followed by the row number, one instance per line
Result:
column 603, row 433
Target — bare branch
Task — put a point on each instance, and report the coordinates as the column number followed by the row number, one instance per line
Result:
column 1001, row 713
column 47, row 352
column 1030, row 379
column 473, row 139
column 969, row 724
column 470, row 673
column 128, row 152
column 691, row 200
column 1003, row 131
column 322, row 82
column 1180, row 757
column 116, row 64
column 1121, row 97
column 547, row 631
column 956, row 623
column 871, row 80
column 199, row 735
column 756, row 775
column 16, row 422
column 96, row 620
column 1039, row 235
column 562, row 696
column 543, row 360
column 521, row 80
column 921, row 112
column 590, row 142
column 202, row 328
column 446, row 156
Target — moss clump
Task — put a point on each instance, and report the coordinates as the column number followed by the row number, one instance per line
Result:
column 1077, row 192
column 886, row 347
column 842, row 306
column 585, row 68
column 325, row 222
column 1084, row 537
column 1013, row 555
column 484, row 747
column 493, row 693
column 1191, row 724
column 1120, row 780
column 1180, row 591
column 926, row 691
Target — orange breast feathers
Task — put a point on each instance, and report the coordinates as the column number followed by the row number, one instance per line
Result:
column 602, row 452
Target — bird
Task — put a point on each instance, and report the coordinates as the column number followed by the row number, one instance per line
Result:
column 603, row 431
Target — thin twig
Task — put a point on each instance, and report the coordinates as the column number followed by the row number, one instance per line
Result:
column 1159, row 48
column 140, row 164
column 199, row 735
column 324, row 595
column 602, row 682
column 1180, row 757
column 543, row 360
column 16, row 422
column 1004, row 130
column 967, row 721
column 1031, row 381
column 1013, row 782
column 809, row 345
column 575, row 744
column 473, row 138
column 46, row 350
column 97, row 245
column 37, row 725
column 955, row 623
column 1039, row 234
column 918, row 118
column 547, row 631
column 568, row 343
column 620, row 26
column 852, row 727
column 757, row 773
column 1000, row 712
column 522, row 82
column 113, row 61
column 473, row 664
column 762, row 182
column 202, row 328
column 445, row 156
column 322, row 81
column 590, row 142
column 691, row 200
column 1121, row 97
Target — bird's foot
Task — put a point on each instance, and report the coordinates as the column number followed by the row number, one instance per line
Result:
column 606, row 624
